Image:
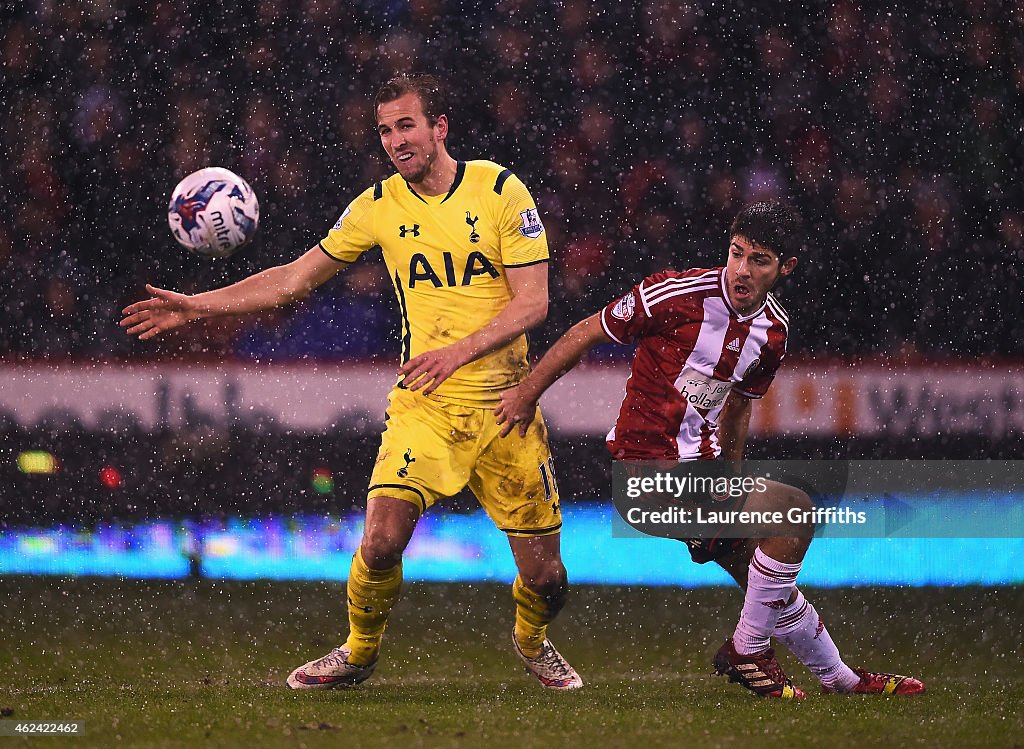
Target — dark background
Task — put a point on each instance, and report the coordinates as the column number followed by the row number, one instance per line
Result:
column 640, row 127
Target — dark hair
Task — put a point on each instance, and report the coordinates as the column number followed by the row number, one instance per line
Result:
column 771, row 224
column 428, row 88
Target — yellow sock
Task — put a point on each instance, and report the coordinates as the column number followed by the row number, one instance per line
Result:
column 371, row 594
column 533, row 614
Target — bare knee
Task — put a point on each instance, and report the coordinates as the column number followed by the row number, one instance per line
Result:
column 546, row 578
column 389, row 526
column 801, row 512
column 795, row 509
column 380, row 549
column 789, row 542
column 539, row 561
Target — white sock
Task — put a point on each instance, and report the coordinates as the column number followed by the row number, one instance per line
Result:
column 801, row 630
column 770, row 583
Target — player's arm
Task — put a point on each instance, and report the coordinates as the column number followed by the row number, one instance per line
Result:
column 526, row 310
column 274, row 287
column 519, row 404
column 733, row 425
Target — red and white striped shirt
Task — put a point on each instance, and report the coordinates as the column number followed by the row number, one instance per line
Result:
column 693, row 348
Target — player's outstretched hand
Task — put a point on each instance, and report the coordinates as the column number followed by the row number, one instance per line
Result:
column 516, row 408
column 431, row 368
column 163, row 311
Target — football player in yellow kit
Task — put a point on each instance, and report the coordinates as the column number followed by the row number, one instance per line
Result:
column 466, row 252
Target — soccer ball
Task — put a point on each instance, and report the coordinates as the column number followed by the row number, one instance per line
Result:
column 213, row 212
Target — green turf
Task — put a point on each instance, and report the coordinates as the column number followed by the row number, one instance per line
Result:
column 197, row 664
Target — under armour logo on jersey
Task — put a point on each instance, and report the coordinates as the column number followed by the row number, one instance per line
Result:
column 415, row 230
column 734, row 345
column 471, row 220
column 409, row 460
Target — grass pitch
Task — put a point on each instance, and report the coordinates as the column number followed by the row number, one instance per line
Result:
column 185, row 664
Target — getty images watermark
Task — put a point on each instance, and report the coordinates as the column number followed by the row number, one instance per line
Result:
column 853, row 499
column 721, row 490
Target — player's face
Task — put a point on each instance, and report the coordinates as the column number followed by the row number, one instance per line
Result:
column 411, row 141
column 751, row 272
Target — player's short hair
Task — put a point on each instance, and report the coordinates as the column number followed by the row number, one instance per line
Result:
column 772, row 224
column 427, row 87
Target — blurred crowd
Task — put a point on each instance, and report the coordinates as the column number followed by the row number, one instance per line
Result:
column 640, row 127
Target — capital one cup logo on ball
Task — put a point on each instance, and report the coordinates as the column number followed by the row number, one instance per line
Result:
column 213, row 212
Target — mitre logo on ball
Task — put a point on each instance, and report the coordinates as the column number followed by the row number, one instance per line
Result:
column 213, row 212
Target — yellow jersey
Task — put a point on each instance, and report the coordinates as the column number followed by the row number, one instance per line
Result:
column 446, row 256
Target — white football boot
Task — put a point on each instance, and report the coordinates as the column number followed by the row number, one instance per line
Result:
column 550, row 668
column 330, row 672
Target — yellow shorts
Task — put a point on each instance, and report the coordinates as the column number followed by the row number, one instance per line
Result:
column 431, row 449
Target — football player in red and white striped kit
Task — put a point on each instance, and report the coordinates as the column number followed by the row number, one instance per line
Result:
column 709, row 342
